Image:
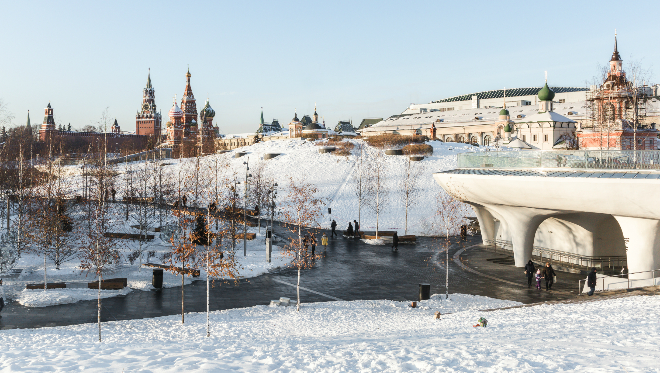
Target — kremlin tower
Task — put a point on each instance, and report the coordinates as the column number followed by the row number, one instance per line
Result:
column 147, row 120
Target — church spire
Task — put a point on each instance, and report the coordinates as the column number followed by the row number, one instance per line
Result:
column 28, row 125
column 504, row 103
column 615, row 55
column 149, row 79
column 262, row 115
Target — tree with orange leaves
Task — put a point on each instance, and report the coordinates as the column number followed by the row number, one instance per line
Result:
column 300, row 208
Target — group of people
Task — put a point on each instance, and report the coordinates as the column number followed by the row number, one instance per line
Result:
column 533, row 273
column 352, row 230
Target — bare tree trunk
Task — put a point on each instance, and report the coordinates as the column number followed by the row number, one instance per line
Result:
column 183, row 276
column 298, row 291
column 208, row 324
column 99, row 305
column 45, row 282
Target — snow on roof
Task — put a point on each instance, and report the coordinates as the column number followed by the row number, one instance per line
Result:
column 467, row 117
column 548, row 116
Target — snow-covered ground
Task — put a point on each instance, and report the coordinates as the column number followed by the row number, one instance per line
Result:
column 138, row 278
column 331, row 174
column 614, row 335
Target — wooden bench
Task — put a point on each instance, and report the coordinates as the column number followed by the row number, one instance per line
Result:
column 109, row 284
column 248, row 236
column 129, row 236
column 50, row 285
column 187, row 271
column 408, row 239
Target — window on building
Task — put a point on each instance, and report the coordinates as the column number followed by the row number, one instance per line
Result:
column 525, row 138
column 534, row 138
column 562, row 100
column 545, row 138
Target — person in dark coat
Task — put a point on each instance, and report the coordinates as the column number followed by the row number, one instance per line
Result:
column 334, row 228
column 184, row 200
column 529, row 272
column 312, row 242
column 395, row 242
column 357, row 227
column 349, row 231
column 548, row 275
column 591, row 281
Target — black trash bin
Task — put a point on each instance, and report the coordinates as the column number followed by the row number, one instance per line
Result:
column 424, row 291
column 157, row 279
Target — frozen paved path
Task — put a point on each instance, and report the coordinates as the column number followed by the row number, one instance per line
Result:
column 351, row 270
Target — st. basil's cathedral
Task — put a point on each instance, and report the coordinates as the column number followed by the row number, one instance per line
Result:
column 183, row 127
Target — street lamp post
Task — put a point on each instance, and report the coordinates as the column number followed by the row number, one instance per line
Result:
column 273, row 195
column 247, row 168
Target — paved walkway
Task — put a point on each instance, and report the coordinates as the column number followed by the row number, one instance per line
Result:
column 350, row 270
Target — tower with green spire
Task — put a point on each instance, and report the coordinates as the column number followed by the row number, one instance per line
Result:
column 28, row 125
column 148, row 120
column 546, row 95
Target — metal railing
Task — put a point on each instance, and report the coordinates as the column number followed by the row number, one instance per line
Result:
column 629, row 283
column 577, row 260
column 568, row 159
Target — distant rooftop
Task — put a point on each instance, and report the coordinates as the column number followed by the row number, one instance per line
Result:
column 499, row 93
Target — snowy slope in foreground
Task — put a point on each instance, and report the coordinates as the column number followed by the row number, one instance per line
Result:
column 369, row 336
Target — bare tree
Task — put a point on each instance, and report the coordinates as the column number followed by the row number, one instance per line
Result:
column 301, row 208
column 450, row 213
column 410, row 186
column 361, row 178
column 259, row 188
column 99, row 252
column 376, row 184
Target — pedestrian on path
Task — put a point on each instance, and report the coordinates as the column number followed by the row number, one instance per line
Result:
column 2, row 297
column 395, row 242
column 549, row 275
column 324, row 242
column 529, row 272
column 312, row 242
column 357, row 228
column 591, row 281
column 114, row 194
column 538, row 279
column 334, row 228
column 349, row 231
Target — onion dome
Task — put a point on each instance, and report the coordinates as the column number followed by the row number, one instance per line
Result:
column 175, row 111
column 546, row 94
column 295, row 117
column 504, row 111
column 208, row 111
column 507, row 128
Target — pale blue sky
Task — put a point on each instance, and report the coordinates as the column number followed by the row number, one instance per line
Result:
column 355, row 59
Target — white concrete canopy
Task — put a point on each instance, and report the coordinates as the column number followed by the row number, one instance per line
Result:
column 584, row 206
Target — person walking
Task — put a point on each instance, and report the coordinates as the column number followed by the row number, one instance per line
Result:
column 312, row 241
column 548, row 274
column 538, row 279
column 591, row 281
column 529, row 272
column 349, row 231
column 357, row 228
column 324, row 242
column 114, row 194
column 395, row 242
column 334, row 228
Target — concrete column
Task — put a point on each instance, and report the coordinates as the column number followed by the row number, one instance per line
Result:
column 486, row 223
column 522, row 223
column 643, row 245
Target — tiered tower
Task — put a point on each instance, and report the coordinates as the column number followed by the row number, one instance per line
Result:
column 147, row 120
column 175, row 125
column 189, row 108
column 48, row 129
column 206, row 134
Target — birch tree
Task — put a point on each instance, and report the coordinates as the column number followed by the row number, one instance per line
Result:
column 410, row 186
column 301, row 208
column 376, row 184
column 360, row 179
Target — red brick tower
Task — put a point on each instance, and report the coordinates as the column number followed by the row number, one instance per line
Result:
column 48, row 129
column 147, row 120
column 189, row 108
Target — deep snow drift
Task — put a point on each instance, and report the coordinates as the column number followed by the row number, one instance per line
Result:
column 614, row 335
